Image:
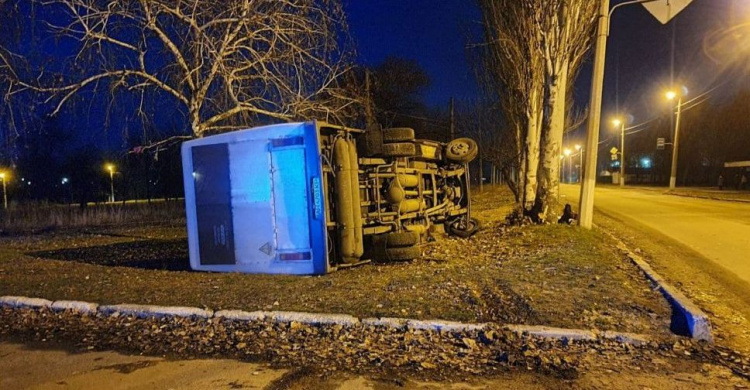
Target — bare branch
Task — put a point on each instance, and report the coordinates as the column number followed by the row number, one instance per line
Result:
column 227, row 63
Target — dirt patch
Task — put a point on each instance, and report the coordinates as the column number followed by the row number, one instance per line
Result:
column 298, row 377
column 127, row 368
column 168, row 255
column 540, row 275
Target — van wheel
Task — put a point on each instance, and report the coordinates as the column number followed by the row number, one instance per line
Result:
column 398, row 134
column 464, row 230
column 400, row 149
column 401, row 239
column 402, row 254
column 462, row 150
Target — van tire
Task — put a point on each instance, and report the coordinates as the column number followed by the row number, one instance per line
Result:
column 402, row 254
column 455, row 229
column 462, row 150
column 401, row 239
column 398, row 134
column 400, row 149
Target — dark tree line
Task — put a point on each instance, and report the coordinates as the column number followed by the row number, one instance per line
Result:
column 711, row 134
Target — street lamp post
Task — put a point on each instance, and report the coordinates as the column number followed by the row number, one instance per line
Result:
column 5, row 191
column 111, row 169
column 586, row 205
column 567, row 153
column 671, row 95
column 562, row 168
column 65, row 181
column 621, row 124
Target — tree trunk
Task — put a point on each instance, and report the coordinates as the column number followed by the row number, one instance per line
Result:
column 531, row 152
column 195, row 119
column 549, row 185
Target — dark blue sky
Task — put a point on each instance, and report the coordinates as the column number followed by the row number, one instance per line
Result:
column 434, row 33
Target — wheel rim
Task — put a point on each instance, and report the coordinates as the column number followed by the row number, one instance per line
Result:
column 460, row 149
column 465, row 226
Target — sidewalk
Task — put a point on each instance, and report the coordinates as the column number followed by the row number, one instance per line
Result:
column 693, row 192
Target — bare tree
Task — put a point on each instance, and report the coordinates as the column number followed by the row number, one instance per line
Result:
column 482, row 121
column 566, row 28
column 534, row 49
column 226, row 63
column 516, row 68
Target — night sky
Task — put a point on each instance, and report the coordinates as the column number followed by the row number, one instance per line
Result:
column 436, row 33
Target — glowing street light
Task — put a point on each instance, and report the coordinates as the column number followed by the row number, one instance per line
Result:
column 3, row 177
column 111, row 169
column 579, row 148
column 671, row 96
column 621, row 124
column 66, row 181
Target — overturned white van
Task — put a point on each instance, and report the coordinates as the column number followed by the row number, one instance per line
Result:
column 307, row 198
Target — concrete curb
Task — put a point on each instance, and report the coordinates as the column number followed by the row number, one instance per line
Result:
column 708, row 197
column 239, row 315
column 19, row 302
column 321, row 319
column 444, row 326
column 696, row 321
column 77, row 306
column 142, row 311
column 313, row 318
column 553, row 333
column 387, row 322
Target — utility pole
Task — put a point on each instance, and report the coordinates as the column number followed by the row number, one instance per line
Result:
column 369, row 116
column 111, row 169
column 580, row 166
column 481, row 164
column 586, row 206
column 622, row 154
column 453, row 120
column 112, row 186
column 675, row 147
column 5, row 191
column 562, row 171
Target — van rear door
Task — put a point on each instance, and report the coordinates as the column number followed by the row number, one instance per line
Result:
column 253, row 201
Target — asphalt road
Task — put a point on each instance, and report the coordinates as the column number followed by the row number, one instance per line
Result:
column 718, row 230
column 35, row 366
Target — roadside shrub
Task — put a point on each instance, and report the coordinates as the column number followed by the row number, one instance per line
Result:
column 43, row 216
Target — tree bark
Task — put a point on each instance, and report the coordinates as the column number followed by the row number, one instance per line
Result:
column 552, row 146
column 532, row 154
